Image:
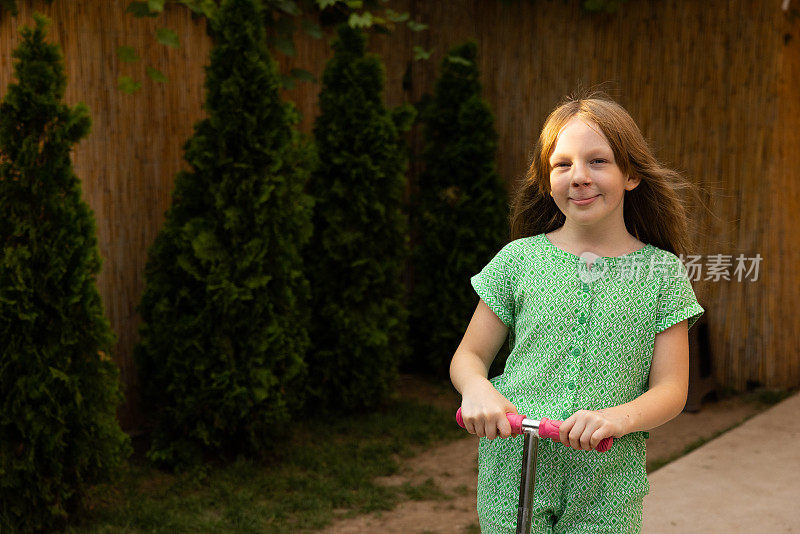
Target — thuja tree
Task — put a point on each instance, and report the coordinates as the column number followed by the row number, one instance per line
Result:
column 359, row 247
column 58, row 386
column 224, row 327
column 459, row 217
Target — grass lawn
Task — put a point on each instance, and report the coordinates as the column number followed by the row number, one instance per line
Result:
column 325, row 469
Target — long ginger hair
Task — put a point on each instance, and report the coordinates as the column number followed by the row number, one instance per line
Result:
column 655, row 211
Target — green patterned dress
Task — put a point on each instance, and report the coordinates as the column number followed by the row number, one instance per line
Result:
column 580, row 340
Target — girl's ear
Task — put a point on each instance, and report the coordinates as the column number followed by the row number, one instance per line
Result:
column 632, row 181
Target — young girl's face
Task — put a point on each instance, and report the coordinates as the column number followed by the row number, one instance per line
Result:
column 585, row 181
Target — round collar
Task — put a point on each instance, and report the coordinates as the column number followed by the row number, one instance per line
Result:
column 568, row 256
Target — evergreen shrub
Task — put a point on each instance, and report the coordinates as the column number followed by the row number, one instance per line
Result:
column 224, row 312
column 59, row 387
column 459, row 214
column 359, row 248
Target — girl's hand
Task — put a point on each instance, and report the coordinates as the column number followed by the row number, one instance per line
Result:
column 484, row 410
column 585, row 429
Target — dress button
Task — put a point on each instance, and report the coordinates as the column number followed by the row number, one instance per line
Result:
column 576, row 352
column 582, row 319
column 571, row 385
column 585, row 286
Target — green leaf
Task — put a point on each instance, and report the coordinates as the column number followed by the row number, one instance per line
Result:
column 360, row 21
column 287, row 82
column 415, row 26
column 288, row 6
column 201, row 7
column 326, row 3
column 255, row 282
column 312, row 29
column 156, row 6
column 156, row 75
column 127, row 85
column 167, row 37
column 284, row 45
column 304, row 75
column 127, row 54
column 421, row 53
column 459, row 60
column 206, row 247
column 359, row 262
column 55, row 373
column 403, row 117
column 259, row 394
column 354, row 4
column 394, row 16
column 140, row 9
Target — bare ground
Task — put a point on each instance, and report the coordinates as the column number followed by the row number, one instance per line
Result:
column 453, row 466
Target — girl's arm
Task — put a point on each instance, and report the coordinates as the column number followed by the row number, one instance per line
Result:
column 483, row 408
column 665, row 399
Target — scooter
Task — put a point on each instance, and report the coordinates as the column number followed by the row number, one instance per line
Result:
column 532, row 429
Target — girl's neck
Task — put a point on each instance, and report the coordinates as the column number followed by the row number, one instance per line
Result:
column 600, row 241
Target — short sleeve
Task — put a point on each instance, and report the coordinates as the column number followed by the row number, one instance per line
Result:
column 495, row 284
column 676, row 299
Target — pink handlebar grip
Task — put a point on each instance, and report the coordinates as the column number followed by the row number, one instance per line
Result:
column 516, row 422
column 514, row 418
column 547, row 429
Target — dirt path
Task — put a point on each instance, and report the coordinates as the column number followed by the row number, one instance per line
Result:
column 453, row 468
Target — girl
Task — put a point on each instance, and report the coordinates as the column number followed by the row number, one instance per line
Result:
column 597, row 307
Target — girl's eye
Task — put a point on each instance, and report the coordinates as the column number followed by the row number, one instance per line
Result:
column 561, row 164
column 598, row 160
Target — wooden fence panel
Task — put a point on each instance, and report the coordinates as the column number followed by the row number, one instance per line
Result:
column 128, row 161
column 713, row 85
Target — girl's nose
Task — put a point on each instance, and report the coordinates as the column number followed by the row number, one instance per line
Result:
column 580, row 175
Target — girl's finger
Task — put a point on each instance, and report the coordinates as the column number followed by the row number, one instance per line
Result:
column 598, row 436
column 575, row 434
column 504, row 427
column 586, row 439
column 491, row 429
column 468, row 424
column 480, row 430
column 563, row 431
column 586, row 436
column 475, row 426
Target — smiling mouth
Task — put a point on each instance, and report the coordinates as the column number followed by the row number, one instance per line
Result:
column 584, row 201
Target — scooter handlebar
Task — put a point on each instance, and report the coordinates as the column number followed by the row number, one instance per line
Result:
column 548, row 428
